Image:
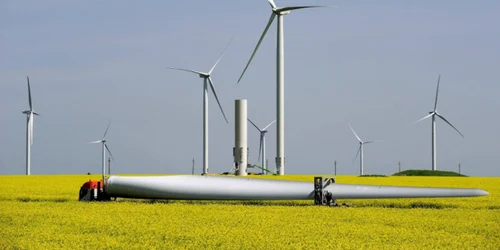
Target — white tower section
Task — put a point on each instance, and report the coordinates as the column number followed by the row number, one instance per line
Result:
column 240, row 138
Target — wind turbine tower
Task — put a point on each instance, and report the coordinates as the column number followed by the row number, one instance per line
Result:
column 278, row 12
column 29, row 129
column 104, row 149
column 433, row 114
column 207, row 80
column 262, row 144
column 360, row 150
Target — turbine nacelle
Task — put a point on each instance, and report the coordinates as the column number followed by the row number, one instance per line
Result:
column 279, row 11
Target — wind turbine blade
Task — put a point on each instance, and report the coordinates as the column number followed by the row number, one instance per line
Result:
column 189, row 70
column 299, row 7
column 253, row 124
column 425, row 117
column 106, row 130
column 99, row 141
column 260, row 146
column 35, row 113
column 355, row 133
column 29, row 93
column 437, row 92
column 110, row 154
column 220, row 57
column 216, row 98
column 268, row 125
column 449, row 124
column 273, row 5
column 271, row 19
column 355, row 157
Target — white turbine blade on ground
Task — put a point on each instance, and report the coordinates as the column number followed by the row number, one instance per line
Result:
column 105, row 132
column 273, row 5
column 437, row 93
column 29, row 93
column 254, row 124
column 216, row 98
column 449, row 124
column 355, row 133
column 268, row 125
column 99, row 141
column 220, row 57
column 109, row 151
column 425, row 117
column 260, row 145
column 189, row 70
column 271, row 19
column 355, row 157
column 299, row 7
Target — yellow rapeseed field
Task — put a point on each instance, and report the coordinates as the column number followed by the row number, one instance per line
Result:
column 42, row 212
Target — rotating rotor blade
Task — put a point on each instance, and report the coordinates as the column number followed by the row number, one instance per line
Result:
column 273, row 5
column 355, row 133
column 355, row 157
column 29, row 93
column 220, row 57
column 299, row 7
column 216, row 98
column 260, row 145
column 268, row 125
column 425, row 117
column 371, row 142
column 254, row 124
column 35, row 113
column 271, row 19
column 105, row 132
column 110, row 154
column 444, row 119
column 437, row 92
column 189, row 70
column 99, row 141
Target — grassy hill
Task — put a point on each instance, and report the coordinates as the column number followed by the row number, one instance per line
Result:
column 420, row 172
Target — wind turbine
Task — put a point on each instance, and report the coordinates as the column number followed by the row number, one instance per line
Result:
column 360, row 151
column 104, row 149
column 280, row 81
column 262, row 144
column 433, row 114
column 29, row 129
column 207, row 80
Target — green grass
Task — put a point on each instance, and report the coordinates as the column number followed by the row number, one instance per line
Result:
column 421, row 172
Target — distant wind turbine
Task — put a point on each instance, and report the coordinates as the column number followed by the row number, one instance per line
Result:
column 104, row 148
column 280, row 80
column 360, row 150
column 433, row 114
column 29, row 129
column 207, row 80
column 262, row 144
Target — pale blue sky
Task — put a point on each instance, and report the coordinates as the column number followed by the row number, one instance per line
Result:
column 374, row 65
